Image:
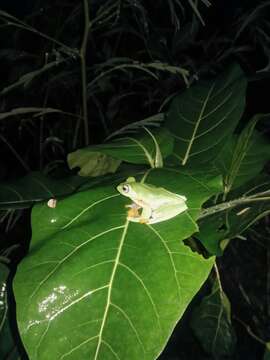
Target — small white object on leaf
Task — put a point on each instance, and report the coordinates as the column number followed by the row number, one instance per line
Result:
column 52, row 203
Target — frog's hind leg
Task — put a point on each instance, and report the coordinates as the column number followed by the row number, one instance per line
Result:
column 143, row 218
column 167, row 212
column 146, row 215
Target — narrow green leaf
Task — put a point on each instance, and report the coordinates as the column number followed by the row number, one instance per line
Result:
column 27, row 78
column 194, row 6
column 212, row 326
column 98, row 287
column 202, row 118
column 28, row 110
column 7, row 16
column 251, row 17
column 169, row 68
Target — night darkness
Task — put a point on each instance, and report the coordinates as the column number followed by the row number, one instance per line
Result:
column 68, row 93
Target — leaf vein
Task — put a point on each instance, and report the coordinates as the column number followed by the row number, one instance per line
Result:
column 68, row 256
column 111, row 349
column 146, row 290
column 122, row 311
column 171, row 258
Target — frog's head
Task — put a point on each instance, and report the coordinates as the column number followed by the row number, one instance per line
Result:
column 127, row 188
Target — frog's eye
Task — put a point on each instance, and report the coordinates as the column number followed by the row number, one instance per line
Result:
column 125, row 188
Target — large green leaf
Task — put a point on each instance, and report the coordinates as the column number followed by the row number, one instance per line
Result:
column 211, row 323
column 35, row 187
column 243, row 158
column 149, row 147
column 233, row 221
column 204, row 116
column 95, row 286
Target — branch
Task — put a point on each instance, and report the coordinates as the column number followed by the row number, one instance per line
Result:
column 83, row 70
column 262, row 196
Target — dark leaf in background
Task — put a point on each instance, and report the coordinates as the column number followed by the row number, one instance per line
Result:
column 36, row 187
column 203, row 116
column 230, row 223
column 243, row 157
column 211, row 323
column 8, row 347
column 149, row 147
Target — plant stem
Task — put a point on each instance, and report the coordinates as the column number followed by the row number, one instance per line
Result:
column 83, row 71
column 42, row 119
column 251, row 333
column 218, row 277
column 233, row 203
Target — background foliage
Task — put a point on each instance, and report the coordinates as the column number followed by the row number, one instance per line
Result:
column 76, row 74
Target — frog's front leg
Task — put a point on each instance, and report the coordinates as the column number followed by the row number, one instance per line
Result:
column 142, row 218
column 133, row 211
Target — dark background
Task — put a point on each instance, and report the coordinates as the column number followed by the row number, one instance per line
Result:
column 209, row 50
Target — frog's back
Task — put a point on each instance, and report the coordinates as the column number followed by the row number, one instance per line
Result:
column 159, row 196
column 166, row 194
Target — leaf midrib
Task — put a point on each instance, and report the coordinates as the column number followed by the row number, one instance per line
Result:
column 146, row 152
column 110, row 286
column 193, row 136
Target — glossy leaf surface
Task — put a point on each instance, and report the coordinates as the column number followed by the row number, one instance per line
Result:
column 95, row 286
column 202, row 117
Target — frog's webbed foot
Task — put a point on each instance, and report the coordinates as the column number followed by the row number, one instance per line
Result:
column 144, row 221
column 147, row 220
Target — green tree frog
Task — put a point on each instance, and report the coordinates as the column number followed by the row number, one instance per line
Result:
column 157, row 204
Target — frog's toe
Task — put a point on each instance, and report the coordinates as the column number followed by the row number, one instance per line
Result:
column 144, row 221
